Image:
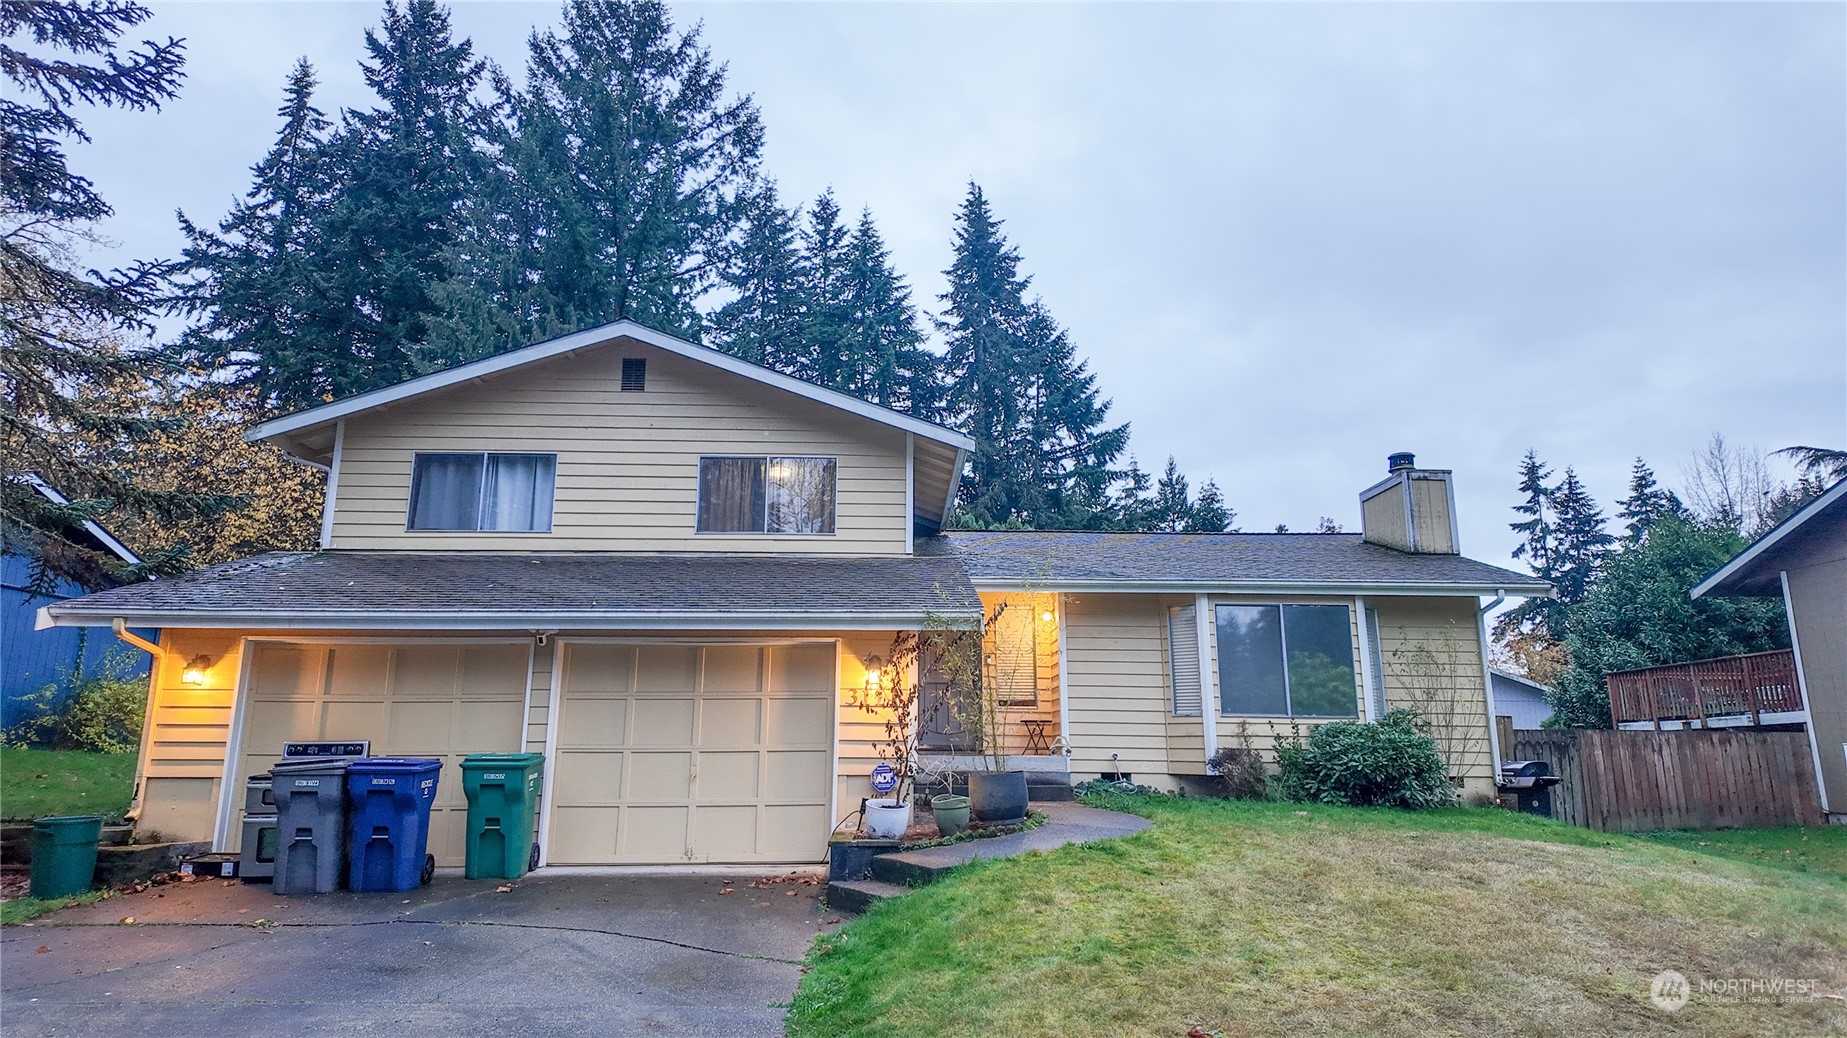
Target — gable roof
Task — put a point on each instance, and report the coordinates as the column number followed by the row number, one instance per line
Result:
column 103, row 538
column 1756, row 572
column 1518, row 681
column 1227, row 562
column 590, row 338
column 377, row 590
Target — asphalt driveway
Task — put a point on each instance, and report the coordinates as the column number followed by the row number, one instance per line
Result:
column 557, row 955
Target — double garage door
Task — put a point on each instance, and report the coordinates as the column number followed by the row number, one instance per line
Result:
column 663, row 753
column 692, row 753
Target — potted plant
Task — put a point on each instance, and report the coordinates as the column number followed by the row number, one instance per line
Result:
column 996, row 793
column 890, row 692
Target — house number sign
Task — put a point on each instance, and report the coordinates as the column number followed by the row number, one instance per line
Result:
column 884, row 778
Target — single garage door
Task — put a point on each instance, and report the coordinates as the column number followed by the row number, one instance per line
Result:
column 693, row 753
column 442, row 700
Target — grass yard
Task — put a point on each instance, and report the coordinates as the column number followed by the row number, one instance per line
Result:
column 1818, row 849
column 42, row 783
column 1266, row 919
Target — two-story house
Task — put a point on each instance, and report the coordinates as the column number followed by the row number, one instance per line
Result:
column 671, row 571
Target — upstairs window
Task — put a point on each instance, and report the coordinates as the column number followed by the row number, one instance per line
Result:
column 1286, row 661
column 508, row 493
column 766, row 495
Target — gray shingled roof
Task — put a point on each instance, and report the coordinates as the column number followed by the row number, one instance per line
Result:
column 1055, row 559
column 353, row 584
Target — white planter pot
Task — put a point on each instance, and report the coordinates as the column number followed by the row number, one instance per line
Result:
column 887, row 819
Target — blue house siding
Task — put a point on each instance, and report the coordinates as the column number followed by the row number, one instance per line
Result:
column 30, row 660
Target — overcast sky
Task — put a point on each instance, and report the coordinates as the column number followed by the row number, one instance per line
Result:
column 1290, row 239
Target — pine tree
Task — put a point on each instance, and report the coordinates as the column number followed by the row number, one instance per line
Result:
column 828, row 333
column 1538, row 546
column 1581, row 543
column 1173, row 500
column 67, row 332
column 635, row 171
column 1131, row 505
column 1647, row 502
column 267, row 308
column 766, row 321
column 896, row 368
column 1210, row 514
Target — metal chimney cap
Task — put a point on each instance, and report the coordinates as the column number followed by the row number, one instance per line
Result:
column 1400, row 460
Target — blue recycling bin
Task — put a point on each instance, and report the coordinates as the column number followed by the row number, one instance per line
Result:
column 388, row 832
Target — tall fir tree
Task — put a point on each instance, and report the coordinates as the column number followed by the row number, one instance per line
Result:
column 1173, row 500
column 1582, row 543
column 766, row 320
column 894, row 365
column 1014, row 385
column 635, row 171
column 1647, row 503
column 1538, row 546
column 828, row 332
column 1210, row 513
column 68, row 332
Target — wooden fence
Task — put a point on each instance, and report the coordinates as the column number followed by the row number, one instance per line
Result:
column 1638, row 781
column 1732, row 686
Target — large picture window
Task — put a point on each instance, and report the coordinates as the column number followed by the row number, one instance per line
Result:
column 766, row 495
column 509, row 493
column 1286, row 661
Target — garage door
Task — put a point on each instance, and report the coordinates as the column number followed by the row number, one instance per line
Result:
column 440, row 700
column 690, row 753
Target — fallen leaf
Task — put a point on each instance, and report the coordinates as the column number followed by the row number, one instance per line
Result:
column 42, row 949
column 128, row 920
column 727, row 890
column 504, row 889
column 831, row 920
column 241, row 911
column 429, row 944
column 788, row 893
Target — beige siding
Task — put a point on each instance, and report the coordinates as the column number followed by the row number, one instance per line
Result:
column 1382, row 517
column 183, row 752
column 1037, row 614
column 1818, row 603
column 1431, row 508
column 1116, row 654
column 628, row 463
column 1431, row 661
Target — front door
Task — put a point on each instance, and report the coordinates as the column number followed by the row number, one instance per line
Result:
column 939, row 725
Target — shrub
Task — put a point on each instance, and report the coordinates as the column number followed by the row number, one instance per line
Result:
column 101, row 715
column 1238, row 773
column 1389, row 763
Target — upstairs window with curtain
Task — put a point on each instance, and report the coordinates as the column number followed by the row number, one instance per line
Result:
column 1286, row 661
column 767, row 495
column 504, row 493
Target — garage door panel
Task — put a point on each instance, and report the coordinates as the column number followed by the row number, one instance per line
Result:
column 590, row 722
column 727, row 833
column 488, row 668
column 599, row 668
column 730, row 722
column 801, row 668
column 284, row 674
column 582, row 779
column 733, row 668
column 802, row 770
column 582, row 834
column 662, row 722
column 341, row 720
column 652, row 833
column 657, row 776
column 421, row 729
column 798, row 721
column 271, row 723
column 666, row 668
column 480, row 723
column 359, row 671
column 729, row 776
column 788, row 831
column 429, row 671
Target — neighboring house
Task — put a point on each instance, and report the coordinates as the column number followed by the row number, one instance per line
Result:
column 673, row 572
column 32, row 660
column 1521, row 699
column 1803, row 561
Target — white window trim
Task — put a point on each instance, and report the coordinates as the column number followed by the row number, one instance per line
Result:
column 699, row 494
column 1283, row 637
column 480, row 494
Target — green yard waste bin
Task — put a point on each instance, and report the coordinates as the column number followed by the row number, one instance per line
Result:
column 503, row 804
column 64, row 854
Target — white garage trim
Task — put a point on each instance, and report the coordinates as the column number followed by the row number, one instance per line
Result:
column 551, row 751
column 230, row 791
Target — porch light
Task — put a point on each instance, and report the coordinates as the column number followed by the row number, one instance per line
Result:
column 1046, row 616
column 194, row 674
column 875, row 673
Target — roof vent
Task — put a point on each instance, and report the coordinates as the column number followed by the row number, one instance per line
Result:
column 635, row 375
column 1393, row 462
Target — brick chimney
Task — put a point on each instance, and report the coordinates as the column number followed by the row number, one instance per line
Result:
column 1412, row 509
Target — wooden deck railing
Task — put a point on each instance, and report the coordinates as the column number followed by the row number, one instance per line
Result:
column 1757, row 684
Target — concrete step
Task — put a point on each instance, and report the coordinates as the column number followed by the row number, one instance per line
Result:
column 1053, row 792
column 902, row 871
column 854, row 896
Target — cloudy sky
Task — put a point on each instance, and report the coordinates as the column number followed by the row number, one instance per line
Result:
column 1290, row 239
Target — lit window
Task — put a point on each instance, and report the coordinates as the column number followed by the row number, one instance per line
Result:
column 766, row 495
column 509, row 493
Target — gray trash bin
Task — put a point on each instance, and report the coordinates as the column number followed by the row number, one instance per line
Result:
column 310, row 824
column 257, row 860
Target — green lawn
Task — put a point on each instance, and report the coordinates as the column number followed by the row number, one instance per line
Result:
column 41, row 783
column 1818, row 849
column 21, row 909
column 1267, row 919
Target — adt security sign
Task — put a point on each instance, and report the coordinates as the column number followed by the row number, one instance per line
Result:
column 884, row 779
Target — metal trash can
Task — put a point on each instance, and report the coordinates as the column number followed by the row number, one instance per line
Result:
column 503, row 801
column 389, row 799
column 1529, row 784
column 64, row 854
column 310, row 824
column 256, row 857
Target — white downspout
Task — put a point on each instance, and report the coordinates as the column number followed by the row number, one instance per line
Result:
column 1208, row 698
column 120, row 627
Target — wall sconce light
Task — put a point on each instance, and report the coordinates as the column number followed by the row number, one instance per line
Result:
column 194, row 674
column 875, row 673
column 1046, row 616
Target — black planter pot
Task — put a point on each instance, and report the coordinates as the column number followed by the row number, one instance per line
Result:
column 997, row 797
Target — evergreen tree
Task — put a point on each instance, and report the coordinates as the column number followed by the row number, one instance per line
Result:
column 1131, row 505
column 1014, row 384
column 1209, row 513
column 268, row 310
column 766, row 322
column 828, row 333
column 635, row 173
column 1581, row 542
column 1173, row 500
column 1538, row 547
column 895, row 367
column 65, row 331
column 1647, row 502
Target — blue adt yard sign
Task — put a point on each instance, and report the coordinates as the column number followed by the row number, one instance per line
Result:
column 884, row 779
